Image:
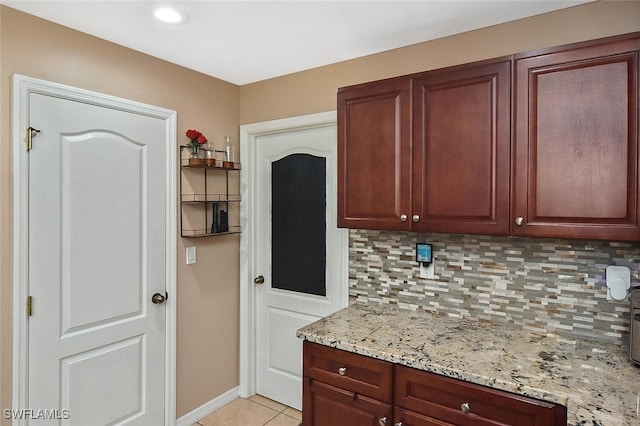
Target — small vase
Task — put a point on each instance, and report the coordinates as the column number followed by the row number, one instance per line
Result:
column 195, row 160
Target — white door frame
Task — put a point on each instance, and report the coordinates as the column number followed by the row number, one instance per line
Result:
column 22, row 88
column 248, row 250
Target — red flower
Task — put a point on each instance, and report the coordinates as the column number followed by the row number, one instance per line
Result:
column 193, row 134
column 196, row 137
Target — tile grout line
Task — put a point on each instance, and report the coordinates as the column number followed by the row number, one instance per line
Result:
column 270, row 408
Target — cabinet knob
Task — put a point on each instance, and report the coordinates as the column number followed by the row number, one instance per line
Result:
column 382, row 421
column 416, row 218
column 403, row 217
column 465, row 408
column 398, row 424
column 519, row 220
column 342, row 371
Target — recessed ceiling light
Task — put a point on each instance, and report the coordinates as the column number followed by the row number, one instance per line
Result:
column 167, row 14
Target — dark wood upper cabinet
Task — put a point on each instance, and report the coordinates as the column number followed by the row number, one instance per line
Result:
column 374, row 159
column 576, row 142
column 461, row 155
column 540, row 144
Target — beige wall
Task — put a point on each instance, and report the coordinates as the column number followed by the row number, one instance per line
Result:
column 208, row 293
column 315, row 90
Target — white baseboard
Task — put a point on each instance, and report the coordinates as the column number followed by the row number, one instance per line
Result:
column 205, row 409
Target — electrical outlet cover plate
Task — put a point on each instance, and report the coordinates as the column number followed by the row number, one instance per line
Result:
column 428, row 271
column 618, row 282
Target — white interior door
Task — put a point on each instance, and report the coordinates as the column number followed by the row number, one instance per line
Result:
column 300, row 252
column 96, row 257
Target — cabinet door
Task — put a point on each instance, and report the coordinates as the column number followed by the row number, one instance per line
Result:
column 374, row 158
column 461, row 150
column 324, row 404
column 576, row 142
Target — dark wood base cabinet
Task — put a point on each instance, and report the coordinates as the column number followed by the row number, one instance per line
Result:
column 343, row 388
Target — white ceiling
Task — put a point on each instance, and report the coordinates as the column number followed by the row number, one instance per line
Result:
column 247, row 41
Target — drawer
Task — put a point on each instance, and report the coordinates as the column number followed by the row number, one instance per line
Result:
column 324, row 405
column 352, row 372
column 462, row 403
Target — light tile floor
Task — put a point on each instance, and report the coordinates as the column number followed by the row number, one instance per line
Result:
column 253, row 411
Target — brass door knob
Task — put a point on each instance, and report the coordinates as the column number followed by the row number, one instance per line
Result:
column 258, row 280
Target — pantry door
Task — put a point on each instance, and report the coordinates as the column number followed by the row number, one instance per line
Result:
column 301, row 260
column 97, row 250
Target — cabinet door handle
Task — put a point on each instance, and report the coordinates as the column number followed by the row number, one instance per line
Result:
column 416, row 218
column 519, row 220
column 465, row 408
column 382, row 421
column 403, row 217
column 342, row 371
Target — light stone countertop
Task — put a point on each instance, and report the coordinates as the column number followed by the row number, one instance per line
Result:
column 597, row 382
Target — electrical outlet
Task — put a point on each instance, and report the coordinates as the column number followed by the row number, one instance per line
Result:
column 429, row 271
column 191, row 255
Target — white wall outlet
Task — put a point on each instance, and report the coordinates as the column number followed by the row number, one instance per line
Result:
column 191, row 255
column 618, row 282
column 428, row 271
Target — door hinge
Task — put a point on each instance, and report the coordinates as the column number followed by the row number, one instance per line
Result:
column 29, row 306
column 31, row 133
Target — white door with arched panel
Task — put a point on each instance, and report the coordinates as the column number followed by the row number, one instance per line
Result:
column 98, row 191
column 300, row 261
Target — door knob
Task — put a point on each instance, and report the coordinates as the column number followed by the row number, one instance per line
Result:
column 258, row 280
column 403, row 217
column 416, row 218
column 519, row 220
column 158, row 298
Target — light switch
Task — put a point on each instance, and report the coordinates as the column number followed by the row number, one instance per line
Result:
column 191, row 255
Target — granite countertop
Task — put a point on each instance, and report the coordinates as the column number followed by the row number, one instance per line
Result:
column 597, row 382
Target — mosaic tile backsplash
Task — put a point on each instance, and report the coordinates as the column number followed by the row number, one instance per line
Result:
column 550, row 286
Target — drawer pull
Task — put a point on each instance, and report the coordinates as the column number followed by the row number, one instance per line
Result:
column 342, row 371
column 465, row 408
column 398, row 424
column 382, row 421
